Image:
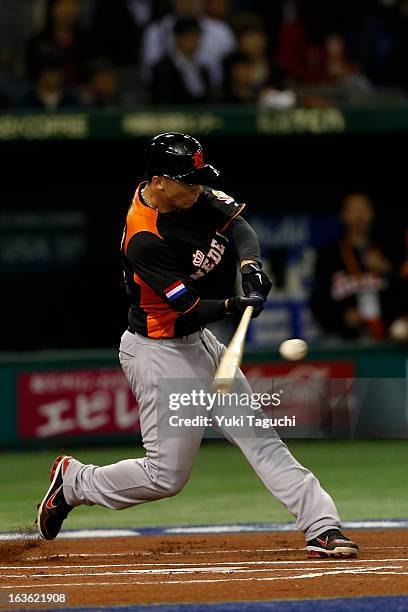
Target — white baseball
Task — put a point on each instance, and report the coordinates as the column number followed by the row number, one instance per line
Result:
column 399, row 330
column 293, row 349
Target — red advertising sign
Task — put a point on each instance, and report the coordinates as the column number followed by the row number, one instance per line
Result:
column 74, row 403
column 306, row 369
column 319, row 394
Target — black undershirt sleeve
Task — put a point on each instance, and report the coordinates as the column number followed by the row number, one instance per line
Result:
column 245, row 240
column 206, row 311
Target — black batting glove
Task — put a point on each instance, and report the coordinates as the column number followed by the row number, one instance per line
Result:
column 238, row 304
column 254, row 280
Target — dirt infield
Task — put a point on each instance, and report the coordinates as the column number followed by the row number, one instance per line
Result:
column 239, row 567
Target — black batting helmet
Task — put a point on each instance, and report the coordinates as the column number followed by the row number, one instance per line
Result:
column 179, row 157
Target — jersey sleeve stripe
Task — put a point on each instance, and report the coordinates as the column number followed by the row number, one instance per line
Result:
column 191, row 307
column 239, row 211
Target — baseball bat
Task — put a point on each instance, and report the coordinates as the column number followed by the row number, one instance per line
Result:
column 231, row 359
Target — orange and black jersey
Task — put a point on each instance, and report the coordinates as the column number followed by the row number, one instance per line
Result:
column 176, row 263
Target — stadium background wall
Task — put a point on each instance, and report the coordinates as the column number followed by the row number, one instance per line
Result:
column 78, row 397
column 85, row 186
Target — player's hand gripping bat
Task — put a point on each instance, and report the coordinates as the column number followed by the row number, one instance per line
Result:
column 231, row 359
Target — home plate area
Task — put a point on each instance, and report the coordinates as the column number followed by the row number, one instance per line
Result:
column 196, row 568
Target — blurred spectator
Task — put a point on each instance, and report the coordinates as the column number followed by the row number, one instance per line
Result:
column 218, row 9
column 62, row 32
column 253, row 42
column 356, row 293
column 178, row 78
column 271, row 14
column 313, row 54
column 399, row 329
column 48, row 91
column 262, row 81
column 102, row 88
column 127, row 17
column 16, row 21
column 404, row 267
column 349, row 82
column 291, row 47
column 239, row 79
column 217, row 39
column 381, row 42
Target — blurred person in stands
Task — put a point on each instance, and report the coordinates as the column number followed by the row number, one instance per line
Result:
column 129, row 17
column 381, row 42
column 217, row 39
column 253, row 42
column 239, row 80
column 102, row 88
column 356, row 293
column 62, row 31
column 179, row 78
column 265, row 76
column 270, row 13
column 349, row 82
column 314, row 54
column 404, row 267
column 295, row 52
column 48, row 91
column 218, row 9
column 16, row 25
column 399, row 328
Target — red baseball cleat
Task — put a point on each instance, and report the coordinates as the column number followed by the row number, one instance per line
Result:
column 53, row 509
column 331, row 543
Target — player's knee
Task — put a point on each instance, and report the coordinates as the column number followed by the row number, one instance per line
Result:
column 173, row 483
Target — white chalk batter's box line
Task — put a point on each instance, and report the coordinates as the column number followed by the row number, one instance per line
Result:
column 225, row 551
column 208, row 566
column 307, row 569
column 202, row 529
column 178, row 582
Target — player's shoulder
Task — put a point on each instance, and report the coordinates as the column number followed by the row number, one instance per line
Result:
column 147, row 247
column 215, row 195
column 220, row 201
column 145, row 242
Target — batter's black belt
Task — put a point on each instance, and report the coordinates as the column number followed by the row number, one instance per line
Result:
column 132, row 330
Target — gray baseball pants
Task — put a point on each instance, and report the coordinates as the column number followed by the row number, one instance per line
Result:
column 167, row 465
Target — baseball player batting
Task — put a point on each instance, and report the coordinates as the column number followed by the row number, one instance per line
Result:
column 179, row 251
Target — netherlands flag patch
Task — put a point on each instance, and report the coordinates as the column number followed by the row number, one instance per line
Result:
column 174, row 291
